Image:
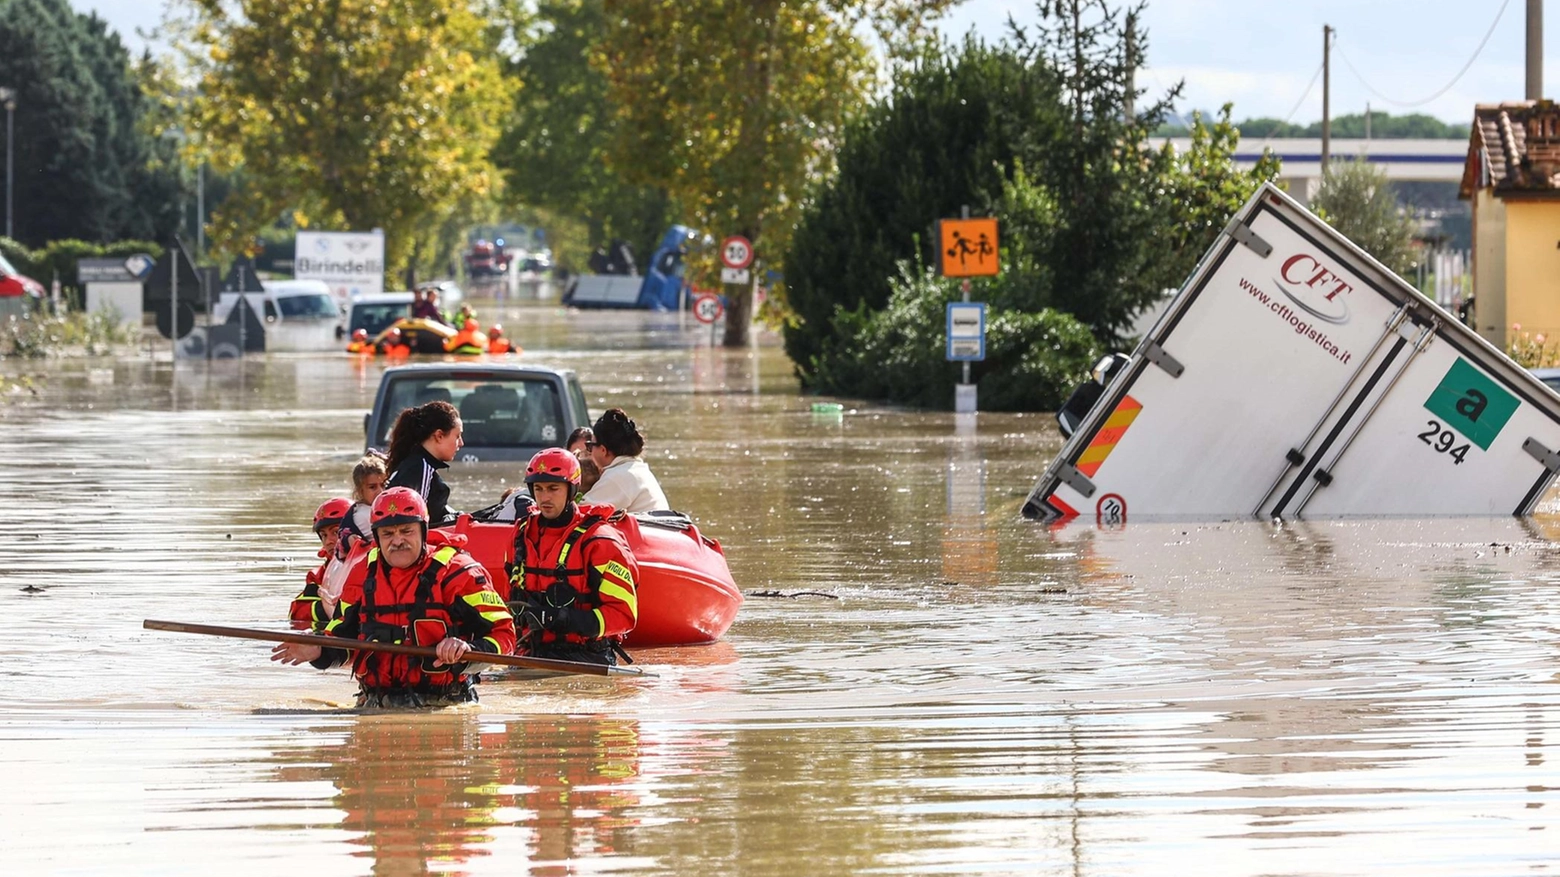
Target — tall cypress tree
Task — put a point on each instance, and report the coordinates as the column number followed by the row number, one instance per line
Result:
column 81, row 162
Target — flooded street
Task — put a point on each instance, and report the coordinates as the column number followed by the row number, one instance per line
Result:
column 920, row 682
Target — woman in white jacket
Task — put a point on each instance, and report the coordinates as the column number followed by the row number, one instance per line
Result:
column 626, row 480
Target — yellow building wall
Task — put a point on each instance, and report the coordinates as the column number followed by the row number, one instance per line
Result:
column 1533, row 267
column 1489, row 267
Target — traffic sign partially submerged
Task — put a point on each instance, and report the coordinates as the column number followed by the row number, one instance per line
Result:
column 707, row 308
column 1293, row 375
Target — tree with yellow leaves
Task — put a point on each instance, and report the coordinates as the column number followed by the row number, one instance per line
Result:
column 735, row 106
column 354, row 114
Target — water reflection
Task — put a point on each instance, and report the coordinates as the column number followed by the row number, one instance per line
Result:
column 976, row 694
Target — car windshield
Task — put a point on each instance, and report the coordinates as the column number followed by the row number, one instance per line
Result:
column 376, row 318
column 5, row 268
column 297, row 307
column 496, row 411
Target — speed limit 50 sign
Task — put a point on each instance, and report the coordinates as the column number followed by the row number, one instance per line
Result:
column 736, row 252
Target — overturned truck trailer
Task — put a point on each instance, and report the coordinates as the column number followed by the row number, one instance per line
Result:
column 1293, row 375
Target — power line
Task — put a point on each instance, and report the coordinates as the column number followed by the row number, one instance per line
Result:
column 1444, row 89
column 1296, row 108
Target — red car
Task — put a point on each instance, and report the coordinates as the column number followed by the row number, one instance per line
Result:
column 13, row 283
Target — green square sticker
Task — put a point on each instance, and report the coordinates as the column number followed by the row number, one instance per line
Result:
column 1471, row 403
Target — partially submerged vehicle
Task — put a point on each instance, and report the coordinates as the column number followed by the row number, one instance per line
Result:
column 294, row 315
column 508, row 412
column 660, row 289
column 1293, row 375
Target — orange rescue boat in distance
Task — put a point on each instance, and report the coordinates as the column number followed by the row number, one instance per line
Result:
column 686, row 593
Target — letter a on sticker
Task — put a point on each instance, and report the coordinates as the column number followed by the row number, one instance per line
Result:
column 1472, row 403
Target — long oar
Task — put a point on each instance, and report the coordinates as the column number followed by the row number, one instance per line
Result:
column 336, row 642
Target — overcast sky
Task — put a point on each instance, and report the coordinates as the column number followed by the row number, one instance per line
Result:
column 1260, row 54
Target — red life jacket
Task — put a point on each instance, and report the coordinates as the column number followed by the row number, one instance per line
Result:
column 565, row 576
column 419, row 618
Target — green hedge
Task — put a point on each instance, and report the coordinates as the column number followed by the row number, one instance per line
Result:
column 1033, row 359
column 59, row 258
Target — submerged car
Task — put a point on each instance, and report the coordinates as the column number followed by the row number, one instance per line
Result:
column 507, row 412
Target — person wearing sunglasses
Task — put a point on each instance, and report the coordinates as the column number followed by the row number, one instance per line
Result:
column 626, row 481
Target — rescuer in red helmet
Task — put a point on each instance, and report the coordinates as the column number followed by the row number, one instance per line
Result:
column 393, row 344
column 497, row 343
column 572, row 584
column 411, row 592
column 312, row 608
column 360, row 342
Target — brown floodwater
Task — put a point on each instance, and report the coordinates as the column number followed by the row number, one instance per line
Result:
column 940, row 688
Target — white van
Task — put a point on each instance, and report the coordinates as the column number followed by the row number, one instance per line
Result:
column 297, row 314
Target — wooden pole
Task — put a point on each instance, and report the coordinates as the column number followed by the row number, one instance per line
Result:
column 335, row 642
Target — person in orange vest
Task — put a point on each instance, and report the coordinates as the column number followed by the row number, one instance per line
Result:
column 419, row 592
column 360, row 343
column 572, row 579
column 469, row 341
column 393, row 346
column 312, row 609
column 497, row 343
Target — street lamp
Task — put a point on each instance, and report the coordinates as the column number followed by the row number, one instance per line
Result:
column 8, row 97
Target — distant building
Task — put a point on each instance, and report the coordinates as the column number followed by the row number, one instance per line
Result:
column 1512, row 176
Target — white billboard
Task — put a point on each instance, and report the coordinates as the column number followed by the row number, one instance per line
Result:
column 350, row 262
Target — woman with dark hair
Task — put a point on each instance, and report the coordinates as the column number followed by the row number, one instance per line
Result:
column 626, row 481
column 424, row 440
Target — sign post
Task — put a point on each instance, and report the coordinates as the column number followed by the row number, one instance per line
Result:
column 966, row 248
column 736, row 257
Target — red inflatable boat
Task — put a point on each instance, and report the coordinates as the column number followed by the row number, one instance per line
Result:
column 686, row 593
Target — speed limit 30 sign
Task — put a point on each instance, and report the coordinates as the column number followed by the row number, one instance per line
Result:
column 736, row 252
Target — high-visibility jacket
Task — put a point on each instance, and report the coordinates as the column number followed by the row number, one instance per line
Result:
column 366, row 347
column 584, row 571
column 308, row 611
column 468, row 342
column 397, row 350
column 446, row 593
column 499, row 345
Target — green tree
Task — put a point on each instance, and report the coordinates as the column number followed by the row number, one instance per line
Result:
column 1356, row 199
column 554, row 148
column 353, row 113
column 84, row 166
column 734, row 106
column 1096, row 221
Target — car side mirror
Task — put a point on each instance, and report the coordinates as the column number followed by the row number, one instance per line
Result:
column 341, row 332
column 1070, row 416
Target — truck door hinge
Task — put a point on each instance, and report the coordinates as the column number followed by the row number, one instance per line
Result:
column 1076, row 480
column 1537, row 451
column 1157, row 355
column 1243, row 234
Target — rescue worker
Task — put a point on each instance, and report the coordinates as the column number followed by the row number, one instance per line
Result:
column 469, row 341
column 412, row 592
column 393, row 346
column 497, row 343
column 312, row 608
column 360, row 343
column 572, row 575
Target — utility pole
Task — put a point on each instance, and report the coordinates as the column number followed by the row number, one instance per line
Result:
column 1535, row 49
column 1327, row 33
column 8, row 97
column 1367, row 121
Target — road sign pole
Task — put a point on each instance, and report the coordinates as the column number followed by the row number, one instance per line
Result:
column 173, row 304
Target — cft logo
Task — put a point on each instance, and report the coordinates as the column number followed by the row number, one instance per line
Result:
column 1317, row 289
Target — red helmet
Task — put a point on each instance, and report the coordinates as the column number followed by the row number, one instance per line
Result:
column 398, row 505
column 359, row 334
column 470, row 325
column 554, row 464
column 331, row 511
column 393, row 334
column 496, row 331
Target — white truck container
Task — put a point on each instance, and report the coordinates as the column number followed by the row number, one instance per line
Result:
column 1293, row 375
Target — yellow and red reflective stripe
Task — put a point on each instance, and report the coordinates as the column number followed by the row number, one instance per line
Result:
column 1105, row 440
column 626, row 596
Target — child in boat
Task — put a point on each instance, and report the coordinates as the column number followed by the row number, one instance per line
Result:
column 312, row 608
